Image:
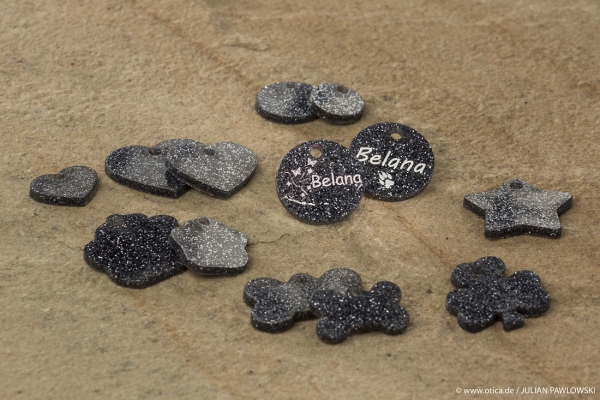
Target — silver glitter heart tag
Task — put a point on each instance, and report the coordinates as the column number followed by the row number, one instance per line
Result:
column 220, row 169
column 209, row 247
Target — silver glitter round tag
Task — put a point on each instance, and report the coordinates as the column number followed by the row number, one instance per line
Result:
column 319, row 182
column 285, row 103
column 336, row 104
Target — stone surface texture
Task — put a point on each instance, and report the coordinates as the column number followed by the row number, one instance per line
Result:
column 499, row 89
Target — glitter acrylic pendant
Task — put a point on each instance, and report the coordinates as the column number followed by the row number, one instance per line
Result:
column 319, row 182
column 398, row 160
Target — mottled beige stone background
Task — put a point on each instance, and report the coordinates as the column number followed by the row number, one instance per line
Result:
column 500, row 89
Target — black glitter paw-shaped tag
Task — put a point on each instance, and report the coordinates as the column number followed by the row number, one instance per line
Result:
column 209, row 247
column 143, row 168
column 285, row 102
column 517, row 207
column 220, row 169
column 336, row 104
column 398, row 160
column 485, row 295
column 134, row 250
column 359, row 311
column 319, row 182
column 73, row 186
column 277, row 305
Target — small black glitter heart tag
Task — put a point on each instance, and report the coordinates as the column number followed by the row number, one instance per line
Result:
column 336, row 104
column 285, row 103
column 319, row 182
column 73, row 186
column 220, row 169
column 134, row 250
column 398, row 160
column 143, row 168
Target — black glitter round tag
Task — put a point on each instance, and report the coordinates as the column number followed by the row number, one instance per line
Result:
column 336, row 104
column 398, row 160
column 319, row 182
column 285, row 102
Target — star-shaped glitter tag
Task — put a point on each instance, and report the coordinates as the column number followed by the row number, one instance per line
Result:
column 517, row 207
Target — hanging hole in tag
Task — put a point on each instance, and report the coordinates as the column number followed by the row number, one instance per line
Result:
column 516, row 185
column 316, row 151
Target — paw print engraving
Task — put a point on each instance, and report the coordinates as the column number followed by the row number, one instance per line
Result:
column 385, row 180
column 485, row 295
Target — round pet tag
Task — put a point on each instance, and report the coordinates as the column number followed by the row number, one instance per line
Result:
column 398, row 160
column 319, row 182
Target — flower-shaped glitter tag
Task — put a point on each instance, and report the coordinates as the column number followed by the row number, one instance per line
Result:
column 285, row 103
column 134, row 250
column 209, row 247
column 517, row 207
column 486, row 295
column 143, row 168
column 220, row 169
column 398, row 160
column 73, row 186
column 357, row 310
column 277, row 305
column 319, row 182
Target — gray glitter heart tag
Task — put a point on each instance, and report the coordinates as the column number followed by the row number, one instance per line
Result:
column 209, row 247
column 220, row 169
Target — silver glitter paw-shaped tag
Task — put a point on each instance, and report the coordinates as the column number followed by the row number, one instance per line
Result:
column 517, row 207
column 359, row 311
column 73, row 186
column 485, row 295
column 277, row 305
column 220, row 169
column 209, row 247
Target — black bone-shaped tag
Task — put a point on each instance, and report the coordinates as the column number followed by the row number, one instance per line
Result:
column 357, row 310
